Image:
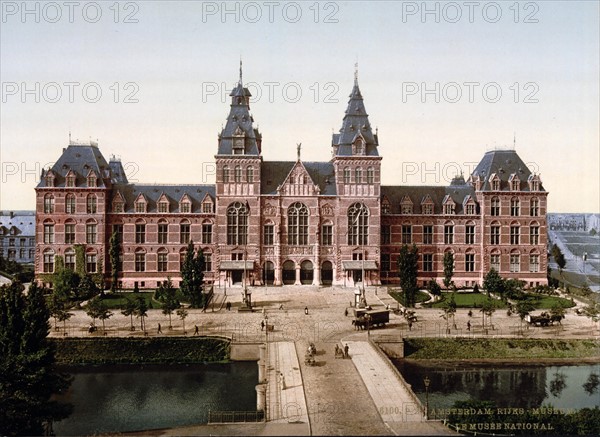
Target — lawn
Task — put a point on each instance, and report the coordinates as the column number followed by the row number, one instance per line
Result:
column 547, row 302
column 421, row 296
column 117, row 300
column 466, row 300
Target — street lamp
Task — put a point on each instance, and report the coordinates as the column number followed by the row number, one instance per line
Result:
column 426, row 381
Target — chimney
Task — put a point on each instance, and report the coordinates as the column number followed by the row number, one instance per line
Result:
column 12, row 214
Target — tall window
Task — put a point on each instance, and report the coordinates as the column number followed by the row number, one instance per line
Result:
column 250, row 174
column 495, row 261
column 225, row 173
column 469, row 262
column 358, row 225
column 70, row 204
column 327, row 235
column 427, row 208
column 495, row 207
column 534, row 234
column 534, row 207
column 428, row 262
column 515, row 263
column 140, row 207
column 237, row 174
column 207, row 208
column 237, row 223
column 49, row 233
column 385, row 262
column 298, row 224
column 140, row 233
column 448, row 234
column 470, row 209
column 49, row 204
column 49, row 261
column 470, row 234
column 495, row 234
column 163, row 207
column 427, row 234
column 91, row 204
column 69, row 233
column 347, row 175
column 185, row 207
column 449, row 208
column 406, row 234
column 118, row 229
column 163, row 233
column 140, row 262
column 534, row 263
column 70, row 181
column 268, row 231
column 206, row 233
column 91, row 233
column 496, row 184
column 91, row 181
column 162, row 261
column 514, row 235
column 90, row 262
column 184, row 233
column 208, row 262
column 117, row 206
column 70, row 259
column 514, row 207
column 358, row 175
column 406, row 208
column 370, row 175
column 386, row 234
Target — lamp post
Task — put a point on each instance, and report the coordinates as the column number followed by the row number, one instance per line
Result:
column 426, row 382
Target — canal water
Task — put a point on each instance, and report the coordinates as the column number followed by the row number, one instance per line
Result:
column 518, row 386
column 110, row 399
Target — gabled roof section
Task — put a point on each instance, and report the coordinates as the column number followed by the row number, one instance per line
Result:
column 118, row 197
column 274, row 174
column 152, row 193
column 298, row 170
column 503, row 164
column 355, row 122
column 80, row 159
column 421, row 195
column 25, row 224
column 117, row 172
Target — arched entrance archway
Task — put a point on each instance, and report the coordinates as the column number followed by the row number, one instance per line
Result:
column 306, row 272
column 269, row 273
column 288, row 273
column 327, row 273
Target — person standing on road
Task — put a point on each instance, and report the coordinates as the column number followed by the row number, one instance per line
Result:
column 306, row 310
column 262, row 325
column 346, row 348
column 159, row 330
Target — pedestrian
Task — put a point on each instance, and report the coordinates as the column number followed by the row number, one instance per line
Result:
column 228, row 306
column 159, row 331
column 262, row 325
column 346, row 348
column 281, row 306
column 306, row 310
column 468, row 325
column 346, row 312
column 196, row 330
column 410, row 325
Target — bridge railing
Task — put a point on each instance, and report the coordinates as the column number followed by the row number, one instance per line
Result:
column 235, row 416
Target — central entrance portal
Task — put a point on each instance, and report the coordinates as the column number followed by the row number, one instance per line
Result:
column 288, row 273
column 327, row 273
column 306, row 273
column 269, row 273
column 236, row 276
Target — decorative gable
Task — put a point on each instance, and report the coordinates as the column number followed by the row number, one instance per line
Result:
column 298, row 182
column 469, row 205
column 71, row 179
column 359, row 145
column 406, row 205
column 185, row 204
column 50, row 178
column 386, row 207
column 534, row 182
column 427, row 205
column 163, row 203
column 494, row 181
column 448, row 204
column 118, row 203
column 514, row 182
column 92, row 179
column 141, row 204
column 208, row 204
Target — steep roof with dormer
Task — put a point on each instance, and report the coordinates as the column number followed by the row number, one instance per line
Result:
column 172, row 193
column 506, row 165
column 274, row 174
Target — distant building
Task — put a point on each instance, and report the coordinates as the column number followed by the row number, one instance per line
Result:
column 17, row 236
column 293, row 222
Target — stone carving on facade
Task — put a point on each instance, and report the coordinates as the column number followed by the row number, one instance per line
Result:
column 269, row 210
column 327, row 210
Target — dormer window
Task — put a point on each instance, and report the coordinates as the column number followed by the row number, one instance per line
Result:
column 185, row 206
column 495, row 182
column 117, row 207
column 470, row 209
column 406, row 205
column 449, row 206
column 238, row 141
column 140, row 205
column 534, row 183
column 359, row 146
column 427, row 205
column 50, row 179
column 70, row 180
column 163, row 207
column 207, row 208
column 385, row 208
column 91, row 181
column 515, row 183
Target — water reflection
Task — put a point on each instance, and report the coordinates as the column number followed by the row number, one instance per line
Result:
column 127, row 398
column 505, row 385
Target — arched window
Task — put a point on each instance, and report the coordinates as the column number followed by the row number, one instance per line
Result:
column 250, row 174
column 70, row 203
column 495, row 260
column 48, row 204
column 48, row 232
column 70, row 259
column 358, row 175
column 184, row 231
column 225, row 173
column 495, row 210
column 298, row 224
column 237, row 223
column 534, row 207
column 140, row 260
column 347, row 175
column 48, row 261
column 92, row 204
column 91, row 232
column 91, row 262
column 370, row 175
column 162, row 259
column 358, row 224
column 534, row 233
column 237, row 174
column 514, row 206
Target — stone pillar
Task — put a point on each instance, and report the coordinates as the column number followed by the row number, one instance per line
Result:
column 262, row 363
column 297, row 275
column 261, row 397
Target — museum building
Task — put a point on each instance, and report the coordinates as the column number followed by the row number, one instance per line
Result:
column 292, row 222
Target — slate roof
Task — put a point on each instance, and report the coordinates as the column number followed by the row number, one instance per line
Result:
column 418, row 193
column 25, row 223
column 273, row 174
column 355, row 122
column 239, row 117
column 117, row 174
column 504, row 163
column 81, row 159
column 173, row 192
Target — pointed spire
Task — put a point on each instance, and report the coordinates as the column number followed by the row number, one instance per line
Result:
column 514, row 140
column 298, row 149
column 241, row 82
column 356, row 73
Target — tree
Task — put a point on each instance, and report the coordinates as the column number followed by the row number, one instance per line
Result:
column 182, row 315
column 87, row 287
column 448, row 268
column 593, row 232
column 559, row 258
column 141, row 311
column 493, row 282
column 488, row 308
column 66, row 281
column 94, row 309
column 192, row 276
column 129, row 311
column 28, row 377
column 434, row 288
column 168, row 298
column 104, row 315
column 523, row 310
column 62, row 316
column 407, row 271
column 591, row 311
column 558, row 310
column 113, row 254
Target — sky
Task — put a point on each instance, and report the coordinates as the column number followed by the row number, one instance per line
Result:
column 444, row 82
